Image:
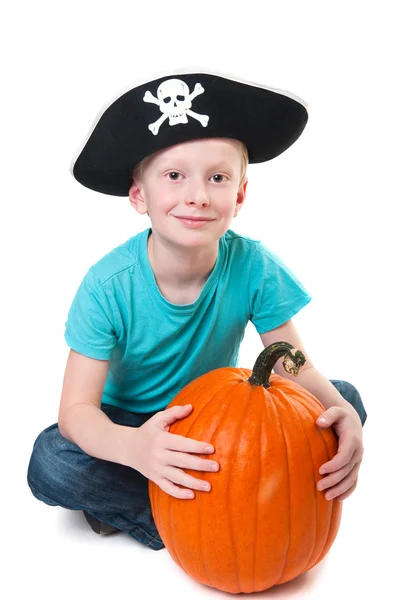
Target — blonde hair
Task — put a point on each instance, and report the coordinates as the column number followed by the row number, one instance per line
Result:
column 138, row 171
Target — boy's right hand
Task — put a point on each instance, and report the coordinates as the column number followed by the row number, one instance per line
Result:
column 162, row 456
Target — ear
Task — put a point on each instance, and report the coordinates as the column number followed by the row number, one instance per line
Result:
column 137, row 198
column 240, row 198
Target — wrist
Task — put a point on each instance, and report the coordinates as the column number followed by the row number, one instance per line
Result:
column 121, row 443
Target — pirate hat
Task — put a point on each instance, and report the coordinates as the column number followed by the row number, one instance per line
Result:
column 179, row 107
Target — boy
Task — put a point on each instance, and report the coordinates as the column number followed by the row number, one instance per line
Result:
column 172, row 302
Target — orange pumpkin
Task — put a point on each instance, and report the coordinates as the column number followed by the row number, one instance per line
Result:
column 264, row 522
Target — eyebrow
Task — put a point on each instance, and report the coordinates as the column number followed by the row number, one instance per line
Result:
column 219, row 165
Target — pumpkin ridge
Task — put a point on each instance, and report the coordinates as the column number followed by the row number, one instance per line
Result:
column 227, row 409
column 315, row 533
column 221, row 416
column 235, row 391
column 321, row 433
column 288, row 486
column 303, row 398
column 262, row 476
column 199, row 411
column 186, row 391
column 280, row 393
column 198, row 387
column 227, row 491
column 334, row 523
column 312, row 558
column 232, row 457
column 331, row 505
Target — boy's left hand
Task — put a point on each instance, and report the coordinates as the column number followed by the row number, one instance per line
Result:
column 342, row 471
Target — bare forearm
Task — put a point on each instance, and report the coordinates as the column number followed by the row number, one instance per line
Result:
column 316, row 383
column 90, row 428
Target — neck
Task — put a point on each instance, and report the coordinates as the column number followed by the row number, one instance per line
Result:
column 175, row 266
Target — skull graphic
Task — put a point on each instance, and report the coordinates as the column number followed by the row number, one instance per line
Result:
column 174, row 101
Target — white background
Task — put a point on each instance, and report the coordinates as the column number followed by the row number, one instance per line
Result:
column 327, row 206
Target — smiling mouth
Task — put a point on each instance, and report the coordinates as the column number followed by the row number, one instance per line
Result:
column 194, row 219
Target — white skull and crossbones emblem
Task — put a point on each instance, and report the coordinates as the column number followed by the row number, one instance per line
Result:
column 174, row 101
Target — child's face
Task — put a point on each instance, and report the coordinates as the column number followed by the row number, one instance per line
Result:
column 199, row 178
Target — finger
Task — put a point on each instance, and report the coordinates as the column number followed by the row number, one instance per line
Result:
column 175, row 491
column 344, row 455
column 334, row 414
column 344, row 485
column 179, row 476
column 339, row 491
column 334, row 478
column 347, row 493
column 180, row 443
column 185, row 460
column 170, row 415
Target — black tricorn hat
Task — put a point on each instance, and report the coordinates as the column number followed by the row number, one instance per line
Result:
column 179, row 107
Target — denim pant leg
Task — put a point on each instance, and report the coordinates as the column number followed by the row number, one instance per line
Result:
column 351, row 395
column 61, row 474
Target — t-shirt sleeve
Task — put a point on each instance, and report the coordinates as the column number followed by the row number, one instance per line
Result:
column 89, row 326
column 275, row 293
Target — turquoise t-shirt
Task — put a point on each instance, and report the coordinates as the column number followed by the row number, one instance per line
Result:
column 156, row 347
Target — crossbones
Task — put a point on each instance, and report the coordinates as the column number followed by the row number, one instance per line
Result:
column 174, row 101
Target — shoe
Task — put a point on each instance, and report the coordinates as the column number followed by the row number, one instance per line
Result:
column 97, row 526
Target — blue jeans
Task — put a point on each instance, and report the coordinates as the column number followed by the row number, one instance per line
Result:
column 61, row 474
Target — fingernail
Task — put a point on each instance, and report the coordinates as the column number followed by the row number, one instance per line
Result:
column 322, row 419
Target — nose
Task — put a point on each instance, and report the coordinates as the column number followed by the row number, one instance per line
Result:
column 197, row 194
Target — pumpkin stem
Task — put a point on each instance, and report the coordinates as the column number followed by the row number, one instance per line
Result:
column 292, row 363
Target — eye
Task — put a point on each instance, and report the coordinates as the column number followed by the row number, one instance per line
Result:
column 173, row 173
column 219, row 175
